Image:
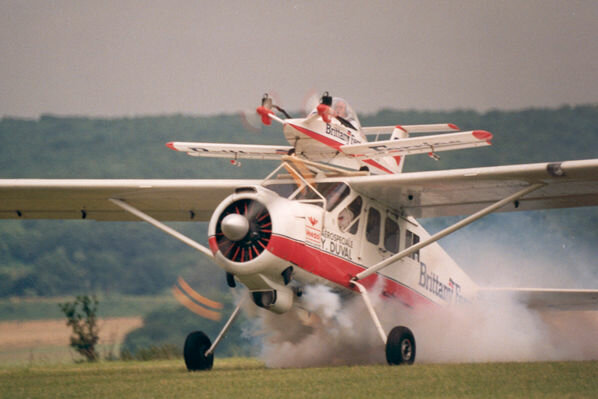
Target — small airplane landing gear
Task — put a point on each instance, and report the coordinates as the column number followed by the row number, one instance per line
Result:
column 199, row 350
column 400, row 346
column 196, row 346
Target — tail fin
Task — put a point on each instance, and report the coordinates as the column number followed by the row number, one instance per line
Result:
column 398, row 133
column 390, row 164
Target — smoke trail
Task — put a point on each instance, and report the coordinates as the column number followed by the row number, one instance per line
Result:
column 480, row 332
column 329, row 331
column 338, row 330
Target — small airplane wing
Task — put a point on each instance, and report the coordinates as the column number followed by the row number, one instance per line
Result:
column 165, row 200
column 418, row 145
column 430, row 128
column 218, row 150
column 465, row 191
column 544, row 298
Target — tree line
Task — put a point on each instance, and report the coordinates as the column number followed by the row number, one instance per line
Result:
column 50, row 258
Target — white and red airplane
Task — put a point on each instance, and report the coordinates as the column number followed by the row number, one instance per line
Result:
column 337, row 211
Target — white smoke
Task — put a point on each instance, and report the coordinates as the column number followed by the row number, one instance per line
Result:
column 336, row 330
column 328, row 331
column 332, row 334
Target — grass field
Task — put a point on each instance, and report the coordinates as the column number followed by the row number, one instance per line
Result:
column 248, row 378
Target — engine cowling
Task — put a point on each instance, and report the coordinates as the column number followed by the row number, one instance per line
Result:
column 240, row 231
column 243, row 230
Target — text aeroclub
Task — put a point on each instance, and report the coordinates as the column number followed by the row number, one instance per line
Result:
column 450, row 292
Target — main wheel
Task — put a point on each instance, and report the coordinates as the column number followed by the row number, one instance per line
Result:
column 196, row 345
column 400, row 346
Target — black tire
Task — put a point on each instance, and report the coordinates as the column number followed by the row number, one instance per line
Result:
column 400, row 346
column 196, row 345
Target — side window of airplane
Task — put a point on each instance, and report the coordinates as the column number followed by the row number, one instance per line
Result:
column 412, row 239
column 391, row 235
column 348, row 218
column 334, row 193
column 372, row 232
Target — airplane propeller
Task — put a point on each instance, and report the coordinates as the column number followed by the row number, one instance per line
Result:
column 243, row 230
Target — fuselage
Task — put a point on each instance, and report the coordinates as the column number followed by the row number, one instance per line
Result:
column 326, row 234
column 318, row 138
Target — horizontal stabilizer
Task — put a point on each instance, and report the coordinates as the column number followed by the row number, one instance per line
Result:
column 223, row 150
column 419, row 145
column 431, row 128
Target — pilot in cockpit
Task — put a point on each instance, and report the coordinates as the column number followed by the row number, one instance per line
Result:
column 343, row 111
column 340, row 107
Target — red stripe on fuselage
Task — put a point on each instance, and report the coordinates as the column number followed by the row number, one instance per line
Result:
column 316, row 136
column 336, row 145
column 338, row 270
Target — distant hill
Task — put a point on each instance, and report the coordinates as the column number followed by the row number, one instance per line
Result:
column 65, row 257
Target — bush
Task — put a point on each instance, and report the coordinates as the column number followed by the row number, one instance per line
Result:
column 84, row 325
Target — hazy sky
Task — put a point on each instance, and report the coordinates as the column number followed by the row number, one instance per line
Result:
column 114, row 58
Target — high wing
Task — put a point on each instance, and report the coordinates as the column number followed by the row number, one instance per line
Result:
column 544, row 298
column 165, row 200
column 465, row 191
column 420, row 194
column 418, row 145
column 222, row 150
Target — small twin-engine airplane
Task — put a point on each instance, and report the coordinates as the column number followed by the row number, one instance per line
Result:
column 337, row 211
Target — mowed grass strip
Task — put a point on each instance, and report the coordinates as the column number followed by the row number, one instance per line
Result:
column 248, row 378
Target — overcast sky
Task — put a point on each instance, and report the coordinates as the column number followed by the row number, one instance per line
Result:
column 124, row 58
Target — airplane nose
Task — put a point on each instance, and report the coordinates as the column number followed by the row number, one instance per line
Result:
column 235, row 226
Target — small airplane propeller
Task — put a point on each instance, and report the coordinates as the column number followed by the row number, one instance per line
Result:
column 243, row 230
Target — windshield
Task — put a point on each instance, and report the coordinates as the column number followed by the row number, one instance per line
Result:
column 343, row 110
column 334, row 192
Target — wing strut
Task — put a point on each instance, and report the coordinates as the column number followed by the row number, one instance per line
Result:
column 459, row 225
column 162, row 226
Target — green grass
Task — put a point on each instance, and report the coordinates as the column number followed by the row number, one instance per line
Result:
column 248, row 378
column 110, row 306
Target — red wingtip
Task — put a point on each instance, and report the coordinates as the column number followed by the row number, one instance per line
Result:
column 482, row 135
column 401, row 128
column 171, row 145
column 453, row 126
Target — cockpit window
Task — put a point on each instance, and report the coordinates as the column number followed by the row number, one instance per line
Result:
column 283, row 189
column 348, row 218
column 342, row 108
column 334, row 193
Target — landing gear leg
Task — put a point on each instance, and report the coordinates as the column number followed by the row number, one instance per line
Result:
column 400, row 344
column 199, row 351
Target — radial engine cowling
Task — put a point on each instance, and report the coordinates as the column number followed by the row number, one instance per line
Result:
column 240, row 231
column 243, row 230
